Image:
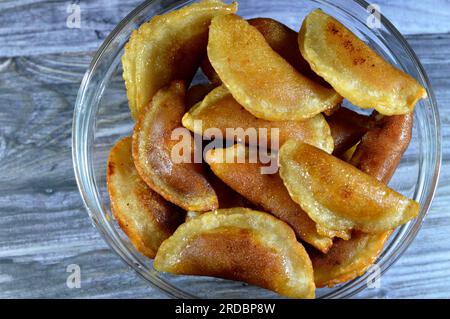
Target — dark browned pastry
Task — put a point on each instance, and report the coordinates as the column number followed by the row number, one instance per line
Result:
column 146, row 217
column 266, row 191
column 378, row 155
column 382, row 148
column 240, row 244
column 347, row 128
column 180, row 182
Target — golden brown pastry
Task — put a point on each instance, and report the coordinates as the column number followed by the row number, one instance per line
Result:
column 258, row 78
column 182, row 183
column 146, row 217
column 240, row 244
column 266, row 191
column 220, row 110
column 353, row 69
column 166, row 48
column 283, row 41
column 347, row 260
column 337, row 195
column 227, row 197
column 382, row 148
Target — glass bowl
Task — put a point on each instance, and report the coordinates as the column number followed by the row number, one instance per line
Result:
column 102, row 117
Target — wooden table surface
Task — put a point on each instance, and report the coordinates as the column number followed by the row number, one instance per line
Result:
column 43, row 224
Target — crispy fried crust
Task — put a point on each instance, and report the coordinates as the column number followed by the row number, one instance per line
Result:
column 220, row 110
column 282, row 40
column 146, row 217
column 347, row 260
column 167, row 48
column 266, row 191
column 240, row 244
column 337, row 195
column 183, row 184
column 353, row 69
column 260, row 79
column 382, row 148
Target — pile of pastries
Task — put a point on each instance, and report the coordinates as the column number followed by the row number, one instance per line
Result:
column 323, row 215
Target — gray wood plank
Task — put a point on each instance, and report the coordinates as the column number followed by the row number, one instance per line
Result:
column 43, row 224
column 44, row 227
column 417, row 17
column 39, row 27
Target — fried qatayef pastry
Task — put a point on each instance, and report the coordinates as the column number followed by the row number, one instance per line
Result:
column 266, row 191
column 146, row 217
column 347, row 260
column 240, row 244
column 168, row 47
column 339, row 196
column 353, row 69
column 283, row 41
column 219, row 110
column 182, row 183
column 258, row 78
column 382, row 147
column 347, row 128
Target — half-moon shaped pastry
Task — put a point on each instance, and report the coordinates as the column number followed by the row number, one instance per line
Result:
column 266, row 191
column 258, row 78
column 180, row 182
column 240, row 244
column 347, row 260
column 282, row 40
column 339, row 196
column 219, row 110
column 353, row 69
column 168, row 47
column 146, row 217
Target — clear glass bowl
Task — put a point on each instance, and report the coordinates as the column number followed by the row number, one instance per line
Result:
column 102, row 117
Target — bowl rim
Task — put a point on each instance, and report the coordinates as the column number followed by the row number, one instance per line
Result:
column 78, row 154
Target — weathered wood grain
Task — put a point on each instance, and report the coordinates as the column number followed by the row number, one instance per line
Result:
column 43, row 225
column 39, row 27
